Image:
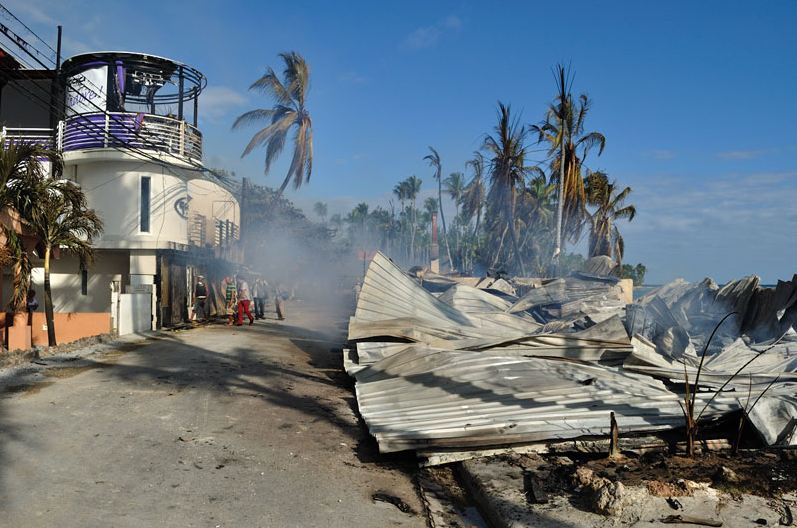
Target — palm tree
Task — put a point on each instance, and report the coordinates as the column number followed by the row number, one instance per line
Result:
column 358, row 216
column 568, row 146
column 430, row 206
column 60, row 217
column 19, row 163
column 537, row 208
column 507, row 150
column 473, row 196
column 455, row 187
column 320, row 208
column 436, row 164
column 413, row 189
column 289, row 111
column 605, row 238
column 400, row 190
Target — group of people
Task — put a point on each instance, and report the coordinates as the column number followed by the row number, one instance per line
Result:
column 239, row 298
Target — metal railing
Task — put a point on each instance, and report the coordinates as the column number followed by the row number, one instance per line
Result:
column 196, row 230
column 38, row 136
column 139, row 131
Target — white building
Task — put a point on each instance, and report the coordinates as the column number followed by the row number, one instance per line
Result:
column 129, row 138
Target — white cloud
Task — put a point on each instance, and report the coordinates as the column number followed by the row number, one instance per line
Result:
column 452, row 22
column 726, row 227
column 428, row 36
column 218, row 102
column 661, row 154
column 352, row 78
column 741, row 154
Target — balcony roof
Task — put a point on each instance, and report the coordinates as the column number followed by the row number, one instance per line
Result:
column 168, row 70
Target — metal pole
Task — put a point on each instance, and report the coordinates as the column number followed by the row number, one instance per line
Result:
column 242, row 209
column 55, row 107
column 196, row 107
column 180, row 89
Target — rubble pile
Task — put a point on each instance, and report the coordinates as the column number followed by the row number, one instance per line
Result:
column 462, row 366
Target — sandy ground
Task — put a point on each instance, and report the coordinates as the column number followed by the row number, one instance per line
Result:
column 215, row 426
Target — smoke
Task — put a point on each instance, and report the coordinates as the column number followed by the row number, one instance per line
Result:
column 304, row 259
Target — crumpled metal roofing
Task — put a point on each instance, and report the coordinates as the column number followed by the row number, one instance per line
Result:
column 423, row 397
column 461, row 370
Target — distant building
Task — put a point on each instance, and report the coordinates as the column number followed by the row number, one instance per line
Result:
column 128, row 131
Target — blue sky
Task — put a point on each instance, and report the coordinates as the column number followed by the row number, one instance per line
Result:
column 695, row 99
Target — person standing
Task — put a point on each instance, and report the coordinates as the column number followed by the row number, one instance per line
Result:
column 279, row 302
column 31, row 304
column 230, row 298
column 244, row 300
column 200, row 299
column 260, row 292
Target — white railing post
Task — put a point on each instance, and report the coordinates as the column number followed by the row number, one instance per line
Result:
column 182, row 138
column 107, row 129
column 59, row 137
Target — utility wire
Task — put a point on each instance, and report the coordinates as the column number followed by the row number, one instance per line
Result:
column 25, row 46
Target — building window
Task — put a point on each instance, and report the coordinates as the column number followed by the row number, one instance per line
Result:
column 84, row 281
column 146, row 196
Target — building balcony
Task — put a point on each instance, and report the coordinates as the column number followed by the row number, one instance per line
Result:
column 43, row 137
column 133, row 132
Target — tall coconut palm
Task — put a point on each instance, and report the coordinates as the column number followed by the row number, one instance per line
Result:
column 289, row 111
column 60, row 217
column 436, row 164
column 455, row 187
column 413, row 189
column 568, row 146
column 400, row 190
column 507, row 152
column 605, row 238
column 474, row 195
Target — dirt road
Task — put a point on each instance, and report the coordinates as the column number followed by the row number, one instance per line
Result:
column 214, row 426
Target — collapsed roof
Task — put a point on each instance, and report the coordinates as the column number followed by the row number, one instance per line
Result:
column 471, row 368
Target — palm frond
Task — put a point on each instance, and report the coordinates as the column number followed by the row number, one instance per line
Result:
column 253, row 116
column 269, row 84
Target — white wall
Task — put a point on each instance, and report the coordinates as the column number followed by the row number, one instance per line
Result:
column 214, row 202
column 65, row 281
column 113, row 189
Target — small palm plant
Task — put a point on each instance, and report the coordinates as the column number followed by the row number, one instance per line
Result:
column 19, row 164
column 58, row 214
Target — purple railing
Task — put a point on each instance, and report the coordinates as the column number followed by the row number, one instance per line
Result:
column 147, row 132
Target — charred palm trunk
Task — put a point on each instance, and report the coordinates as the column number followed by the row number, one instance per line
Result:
column 48, row 299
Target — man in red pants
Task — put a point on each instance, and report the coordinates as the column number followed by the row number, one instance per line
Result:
column 244, row 300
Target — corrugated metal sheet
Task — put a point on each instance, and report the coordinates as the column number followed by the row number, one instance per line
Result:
column 423, row 397
column 469, row 369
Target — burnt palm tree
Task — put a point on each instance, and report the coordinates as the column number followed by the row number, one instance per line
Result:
column 568, row 146
column 605, row 238
column 507, row 152
column 60, row 217
column 436, row 164
column 289, row 112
